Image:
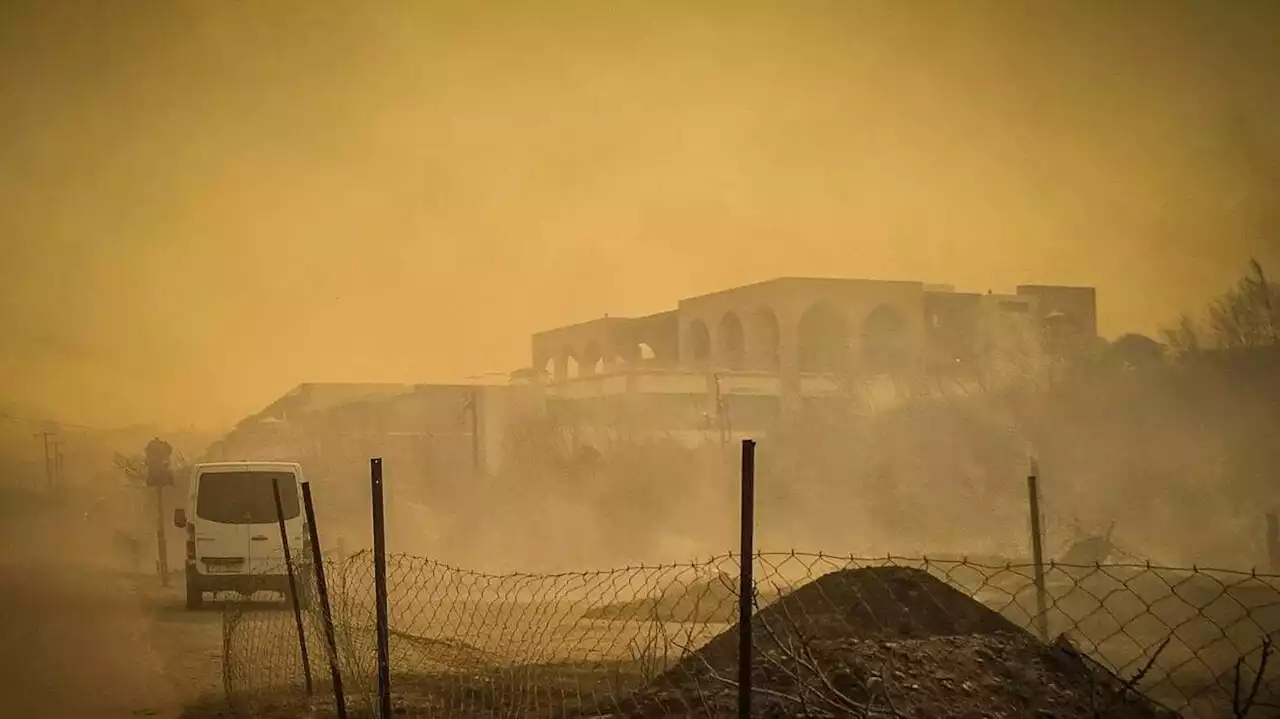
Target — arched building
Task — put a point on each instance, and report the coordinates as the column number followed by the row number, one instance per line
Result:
column 745, row 356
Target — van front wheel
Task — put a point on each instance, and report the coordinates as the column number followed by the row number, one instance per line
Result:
column 195, row 597
column 304, row 601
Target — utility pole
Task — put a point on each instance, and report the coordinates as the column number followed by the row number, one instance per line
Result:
column 159, row 474
column 722, row 422
column 162, row 550
column 48, row 460
column 477, row 455
column 59, row 477
column 49, row 438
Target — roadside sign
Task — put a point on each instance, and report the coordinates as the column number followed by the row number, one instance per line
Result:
column 159, row 474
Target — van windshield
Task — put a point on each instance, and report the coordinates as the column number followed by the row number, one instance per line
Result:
column 245, row 497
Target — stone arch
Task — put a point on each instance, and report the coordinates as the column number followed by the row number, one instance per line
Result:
column 699, row 338
column 822, row 339
column 628, row 353
column 731, row 341
column 645, row 352
column 884, row 341
column 592, row 359
column 568, row 364
column 549, row 370
column 766, row 340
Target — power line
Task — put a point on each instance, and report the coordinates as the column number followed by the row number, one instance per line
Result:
column 27, row 419
column 52, row 444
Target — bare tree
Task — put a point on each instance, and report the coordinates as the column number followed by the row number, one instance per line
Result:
column 1012, row 354
column 134, row 466
column 1247, row 315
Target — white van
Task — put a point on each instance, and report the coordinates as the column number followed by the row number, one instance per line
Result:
column 233, row 534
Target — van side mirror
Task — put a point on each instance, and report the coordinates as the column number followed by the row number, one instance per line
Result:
column 180, row 518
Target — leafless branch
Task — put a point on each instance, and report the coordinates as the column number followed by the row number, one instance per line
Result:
column 1133, row 681
column 1241, row 709
column 804, row 657
column 132, row 466
column 731, row 683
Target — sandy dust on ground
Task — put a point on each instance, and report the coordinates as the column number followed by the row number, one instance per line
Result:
column 87, row 632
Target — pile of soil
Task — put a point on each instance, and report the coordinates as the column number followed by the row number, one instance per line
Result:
column 886, row 641
column 867, row 603
column 993, row 675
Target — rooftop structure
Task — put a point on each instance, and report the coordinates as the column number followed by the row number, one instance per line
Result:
column 790, row 342
column 813, row 326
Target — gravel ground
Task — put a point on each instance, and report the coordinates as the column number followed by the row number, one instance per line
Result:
column 83, row 634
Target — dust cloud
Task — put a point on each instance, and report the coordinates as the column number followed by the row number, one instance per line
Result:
column 206, row 204
column 1137, row 456
column 203, row 204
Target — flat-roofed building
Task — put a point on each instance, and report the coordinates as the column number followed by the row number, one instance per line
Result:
column 734, row 362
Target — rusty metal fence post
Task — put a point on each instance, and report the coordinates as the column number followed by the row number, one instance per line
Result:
column 746, row 584
column 1037, row 550
column 293, row 583
column 380, row 590
column 322, row 594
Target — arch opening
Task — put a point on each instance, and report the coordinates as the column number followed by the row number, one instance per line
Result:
column 767, row 339
column 884, row 341
column 571, row 368
column 699, row 342
column 822, row 339
column 732, row 341
column 592, row 359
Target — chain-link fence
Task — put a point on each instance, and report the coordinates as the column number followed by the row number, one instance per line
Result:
column 833, row 636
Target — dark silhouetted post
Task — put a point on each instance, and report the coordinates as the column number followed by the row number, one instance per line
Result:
column 1037, row 551
column 293, row 583
column 1273, row 542
column 45, row 436
column 162, row 548
column 60, row 478
column 746, row 584
column 322, row 593
column 477, row 451
column 380, row 590
column 159, row 475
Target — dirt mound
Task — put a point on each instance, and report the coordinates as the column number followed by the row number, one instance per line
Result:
column 883, row 640
column 993, row 675
column 868, row 603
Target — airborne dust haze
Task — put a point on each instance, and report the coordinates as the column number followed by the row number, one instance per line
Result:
column 203, row 204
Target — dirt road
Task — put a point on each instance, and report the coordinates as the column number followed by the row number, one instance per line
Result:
column 82, row 633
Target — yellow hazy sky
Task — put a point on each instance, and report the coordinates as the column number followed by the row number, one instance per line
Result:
column 205, row 203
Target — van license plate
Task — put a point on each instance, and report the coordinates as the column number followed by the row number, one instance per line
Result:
column 223, row 565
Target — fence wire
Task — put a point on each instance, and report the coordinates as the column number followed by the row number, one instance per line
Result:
column 834, row 636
